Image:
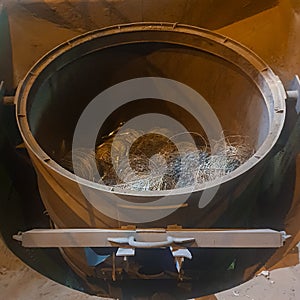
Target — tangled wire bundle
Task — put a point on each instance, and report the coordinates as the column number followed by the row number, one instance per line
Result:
column 134, row 160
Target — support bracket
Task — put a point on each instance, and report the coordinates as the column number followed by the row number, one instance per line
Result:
column 152, row 238
column 293, row 93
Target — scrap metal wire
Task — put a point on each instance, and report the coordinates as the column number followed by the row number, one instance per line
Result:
column 82, row 160
column 138, row 161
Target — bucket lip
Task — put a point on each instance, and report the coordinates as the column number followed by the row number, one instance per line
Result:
column 276, row 107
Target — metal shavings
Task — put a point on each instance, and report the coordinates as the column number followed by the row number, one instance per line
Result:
column 82, row 160
column 134, row 160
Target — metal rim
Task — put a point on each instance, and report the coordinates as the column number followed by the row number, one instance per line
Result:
column 275, row 102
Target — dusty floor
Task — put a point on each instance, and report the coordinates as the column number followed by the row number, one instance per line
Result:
column 38, row 26
column 19, row 282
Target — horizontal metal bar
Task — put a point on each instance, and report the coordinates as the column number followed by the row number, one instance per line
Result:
column 9, row 100
column 244, row 238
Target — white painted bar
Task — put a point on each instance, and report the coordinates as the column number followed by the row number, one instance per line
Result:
column 244, row 238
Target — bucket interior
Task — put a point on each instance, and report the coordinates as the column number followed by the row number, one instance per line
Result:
column 57, row 101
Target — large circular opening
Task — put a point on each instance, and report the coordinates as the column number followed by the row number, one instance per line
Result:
column 241, row 90
column 65, row 93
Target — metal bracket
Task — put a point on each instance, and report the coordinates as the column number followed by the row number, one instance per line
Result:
column 294, row 92
column 152, row 238
column 179, row 256
column 125, row 252
column 6, row 100
column 176, row 238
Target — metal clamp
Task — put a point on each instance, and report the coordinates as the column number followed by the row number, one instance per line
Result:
column 293, row 92
column 284, row 236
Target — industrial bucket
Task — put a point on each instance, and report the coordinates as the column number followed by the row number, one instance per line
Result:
column 243, row 93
